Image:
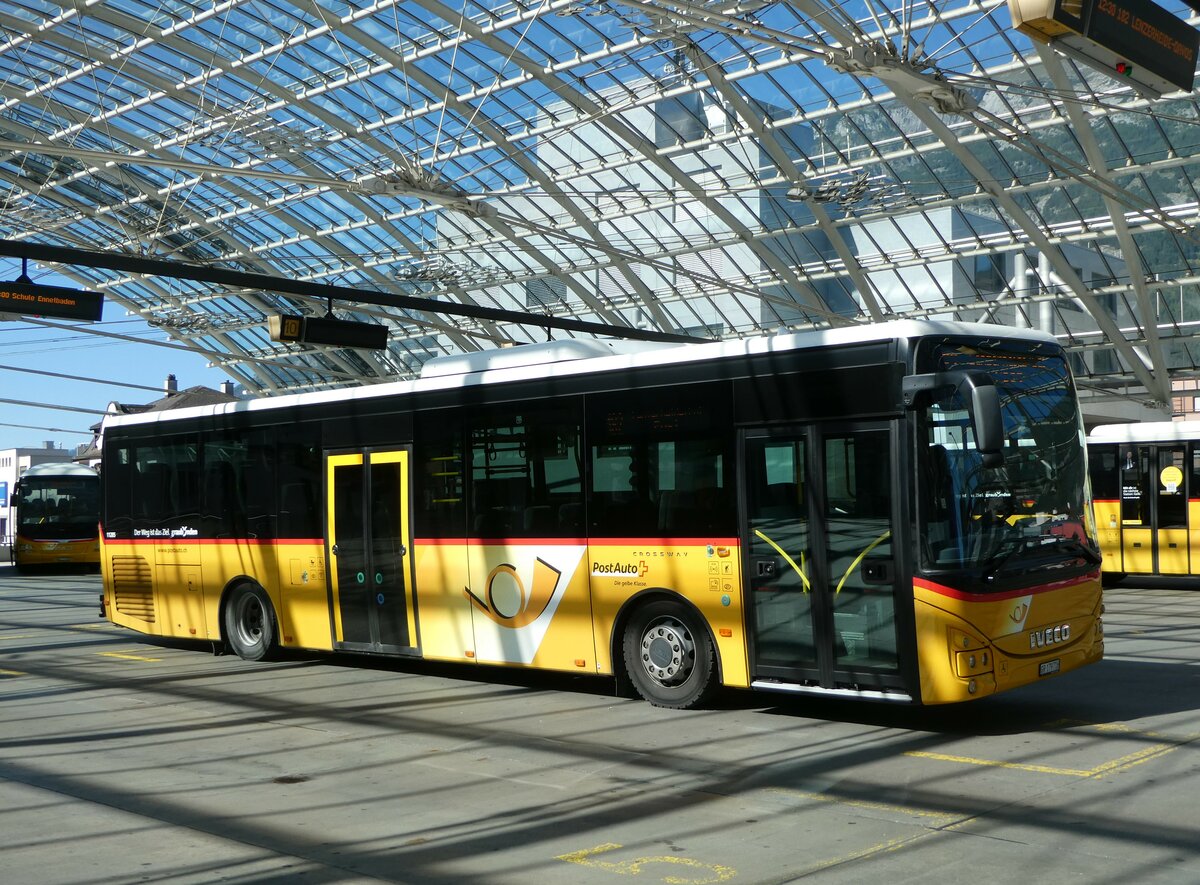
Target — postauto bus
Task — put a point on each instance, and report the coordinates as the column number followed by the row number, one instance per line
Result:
column 56, row 517
column 896, row 511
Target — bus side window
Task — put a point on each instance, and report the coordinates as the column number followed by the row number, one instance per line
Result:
column 440, row 483
column 526, row 473
column 165, row 485
column 660, row 463
column 298, row 474
column 1105, row 477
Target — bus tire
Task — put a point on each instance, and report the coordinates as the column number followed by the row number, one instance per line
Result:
column 250, row 623
column 669, row 655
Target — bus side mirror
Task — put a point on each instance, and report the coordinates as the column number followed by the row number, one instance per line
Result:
column 988, row 423
column 983, row 404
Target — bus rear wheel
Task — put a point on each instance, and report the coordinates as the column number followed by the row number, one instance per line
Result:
column 250, row 623
column 669, row 655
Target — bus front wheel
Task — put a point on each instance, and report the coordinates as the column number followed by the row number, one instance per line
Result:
column 669, row 655
column 250, row 623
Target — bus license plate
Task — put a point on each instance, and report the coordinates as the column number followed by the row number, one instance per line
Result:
column 1050, row 667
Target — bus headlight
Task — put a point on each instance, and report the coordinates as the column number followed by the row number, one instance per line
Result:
column 972, row 663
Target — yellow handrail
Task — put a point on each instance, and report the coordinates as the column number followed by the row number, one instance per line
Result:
column 797, row 569
column 860, row 558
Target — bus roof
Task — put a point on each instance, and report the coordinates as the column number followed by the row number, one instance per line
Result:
column 58, row 468
column 1149, row 431
column 555, row 361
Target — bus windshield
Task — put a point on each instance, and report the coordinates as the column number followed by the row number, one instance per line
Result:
column 58, row 507
column 1030, row 513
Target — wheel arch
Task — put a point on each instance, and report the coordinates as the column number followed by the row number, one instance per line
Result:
column 236, row 583
column 627, row 610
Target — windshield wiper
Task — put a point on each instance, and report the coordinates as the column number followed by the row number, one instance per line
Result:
column 997, row 562
column 1074, row 545
column 1069, row 545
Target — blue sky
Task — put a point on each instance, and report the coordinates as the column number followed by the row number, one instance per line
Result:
column 73, row 349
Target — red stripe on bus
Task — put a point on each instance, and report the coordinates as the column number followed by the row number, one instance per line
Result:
column 943, row 590
column 595, row 542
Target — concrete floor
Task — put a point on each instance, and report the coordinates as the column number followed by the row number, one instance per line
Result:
column 125, row 760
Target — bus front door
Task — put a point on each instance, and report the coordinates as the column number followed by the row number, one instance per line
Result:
column 820, row 570
column 1154, row 509
column 368, row 538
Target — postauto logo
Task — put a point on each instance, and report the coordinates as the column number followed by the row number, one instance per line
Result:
column 620, row 569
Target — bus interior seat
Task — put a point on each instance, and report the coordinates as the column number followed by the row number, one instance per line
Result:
column 539, row 519
column 570, row 517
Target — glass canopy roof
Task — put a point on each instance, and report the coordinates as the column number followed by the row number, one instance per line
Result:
column 705, row 169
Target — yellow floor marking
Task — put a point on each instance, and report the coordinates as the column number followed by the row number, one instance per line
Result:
column 1121, row 763
column 860, row 803
column 24, row 636
column 12, row 673
column 117, row 654
column 103, row 626
column 994, row 763
column 711, row 872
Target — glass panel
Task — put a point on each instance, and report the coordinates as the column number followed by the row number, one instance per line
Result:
column 1028, row 513
column 659, row 463
column 1102, row 470
column 386, row 581
column 166, row 488
column 780, row 555
column 859, row 552
column 440, row 507
column 1135, row 500
column 1172, row 490
column 526, row 473
column 351, row 552
column 59, row 507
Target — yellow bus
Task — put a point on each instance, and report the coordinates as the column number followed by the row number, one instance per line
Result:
column 1146, row 483
column 56, row 517
column 896, row 511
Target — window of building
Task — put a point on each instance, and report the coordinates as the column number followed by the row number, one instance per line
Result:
column 989, row 274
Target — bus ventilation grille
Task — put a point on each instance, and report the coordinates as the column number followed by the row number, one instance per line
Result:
column 132, row 587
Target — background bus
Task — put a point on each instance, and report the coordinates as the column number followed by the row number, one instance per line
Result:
column 56, row 517
column 896, row 511
column 1146, row 483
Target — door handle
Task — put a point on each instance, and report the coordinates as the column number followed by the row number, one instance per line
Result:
column 878, row 571
column 333, row 549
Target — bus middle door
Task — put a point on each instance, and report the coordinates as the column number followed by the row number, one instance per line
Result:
column 1154, row 509
column 368, row 537
column 820, row 571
